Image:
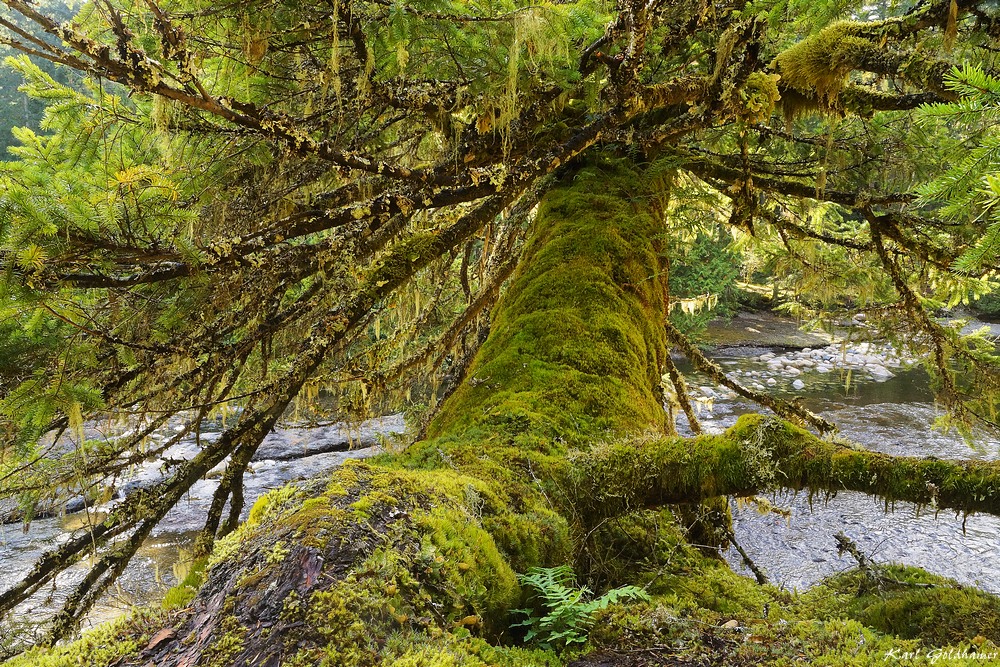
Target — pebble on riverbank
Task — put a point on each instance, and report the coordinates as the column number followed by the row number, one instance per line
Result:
column 792, row 370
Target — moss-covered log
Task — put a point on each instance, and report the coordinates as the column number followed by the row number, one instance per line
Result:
column 555, row 439
column 762, row 453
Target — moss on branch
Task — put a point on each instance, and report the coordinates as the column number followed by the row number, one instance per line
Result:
column 815, row 71
column 761, row 453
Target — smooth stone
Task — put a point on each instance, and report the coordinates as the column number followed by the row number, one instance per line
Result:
column 799, row 384
column 880, row 374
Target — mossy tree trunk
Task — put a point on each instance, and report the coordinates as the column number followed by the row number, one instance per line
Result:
column 558, row 426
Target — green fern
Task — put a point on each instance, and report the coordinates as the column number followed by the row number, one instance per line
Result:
column 561, row 614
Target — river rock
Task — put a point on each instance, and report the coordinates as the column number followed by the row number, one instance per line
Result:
column 799, row 385
column 879, row 373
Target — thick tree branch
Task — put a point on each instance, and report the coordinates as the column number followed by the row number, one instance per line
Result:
column 759, row 454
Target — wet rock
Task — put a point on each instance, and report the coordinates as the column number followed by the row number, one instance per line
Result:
column 880, row 373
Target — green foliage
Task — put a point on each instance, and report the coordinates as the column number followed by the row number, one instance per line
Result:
column 969, row 189
column 18, row 109
column 708, row 270
column 560, row 613
column 988, row 305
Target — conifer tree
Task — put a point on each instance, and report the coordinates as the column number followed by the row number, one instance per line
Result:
column 246, row 206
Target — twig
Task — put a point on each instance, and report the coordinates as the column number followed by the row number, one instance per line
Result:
column 870, row 569
column 758, row 574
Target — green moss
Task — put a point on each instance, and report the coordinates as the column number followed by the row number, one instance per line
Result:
column 227, row 642
column 902, row 604
column 818, row 65
column 180, row 595
column 100, row 647
column 463, row 559
column 690, row 618
column 576, row 344
column 376, row 551
column 814, row 71
column 451, row 650
column 755, row 99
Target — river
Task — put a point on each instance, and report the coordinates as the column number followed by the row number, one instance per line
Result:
column 286, row 454
column 890, row 411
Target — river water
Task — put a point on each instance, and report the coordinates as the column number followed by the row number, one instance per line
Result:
column 890, row 411
column 286, row 454
column 886, row 407
column 799, row 550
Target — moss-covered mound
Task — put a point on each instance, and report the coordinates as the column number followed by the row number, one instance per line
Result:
column 360, row 570
column 912, row 603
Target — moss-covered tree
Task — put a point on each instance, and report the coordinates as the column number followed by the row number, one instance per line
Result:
column 258, row 203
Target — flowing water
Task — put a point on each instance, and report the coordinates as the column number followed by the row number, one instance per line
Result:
column 799, row 550
column 891, row 412
column 885, row 410
column 285, row 455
